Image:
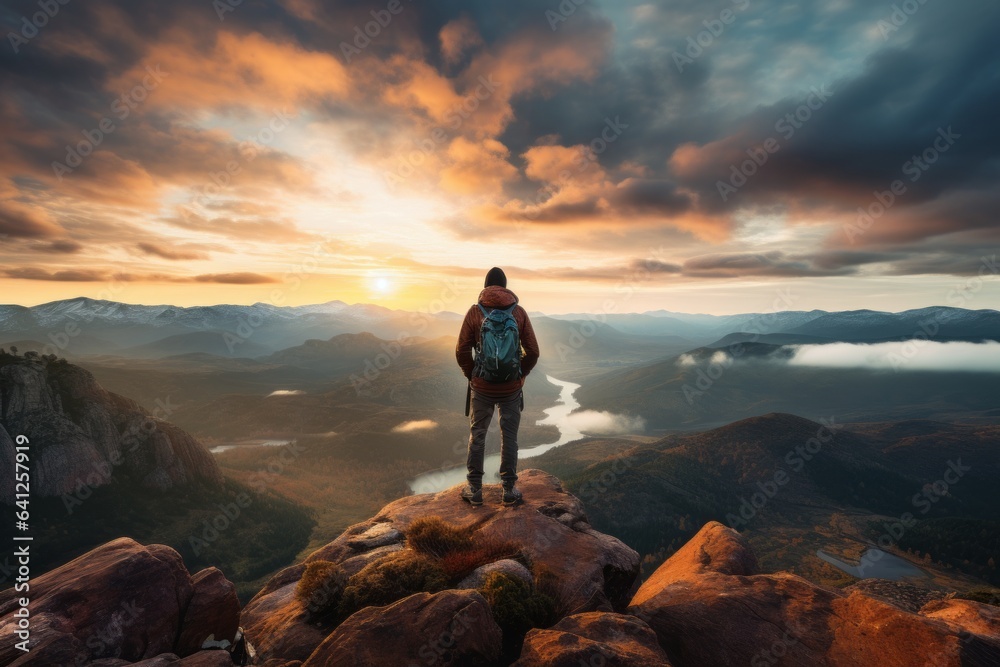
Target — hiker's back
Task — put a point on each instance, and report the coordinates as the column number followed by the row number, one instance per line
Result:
column 498, row 353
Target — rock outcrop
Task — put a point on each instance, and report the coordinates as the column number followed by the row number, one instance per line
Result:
column 591, row 570
column 897, row 593
column 83, row 436
column 446, row 628
column 121, row 601
column 983, row 619
column 709, row 606
column 594, row 638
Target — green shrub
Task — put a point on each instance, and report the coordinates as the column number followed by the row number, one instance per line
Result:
column 392, row 578
column 321, row 587
column 435, row 537
column 516, row 606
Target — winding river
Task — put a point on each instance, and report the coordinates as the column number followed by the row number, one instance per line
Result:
column 557, row 415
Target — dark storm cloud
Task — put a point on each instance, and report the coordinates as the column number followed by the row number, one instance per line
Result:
column 927, row 85
column 649, row 195
column 934, row 91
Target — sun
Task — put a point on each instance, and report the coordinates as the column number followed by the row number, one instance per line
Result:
column 381, row 284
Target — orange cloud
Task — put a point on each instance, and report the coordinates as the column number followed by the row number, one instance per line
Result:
column 477, row 167
column 99, row 275
column 239, row 70
column 420, row 88
column 177, row 253
column 69, row 276
column 241, row 278
column 457, row 37
column 248, row 228
column 555, row 164
column 20, row 221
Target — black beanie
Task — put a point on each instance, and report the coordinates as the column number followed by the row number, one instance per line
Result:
column 496, row 276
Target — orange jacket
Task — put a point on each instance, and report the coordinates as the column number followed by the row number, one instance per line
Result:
column 468, row 338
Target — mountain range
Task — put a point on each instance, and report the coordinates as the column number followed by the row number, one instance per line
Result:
column 88, row 326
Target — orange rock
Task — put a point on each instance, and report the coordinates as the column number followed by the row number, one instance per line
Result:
column 975, row 617
column 276, row 621
column 708, row 606
column 593, row 638
column 446, row 628
column 594, row 571
column 213, row 613
column 121, row 600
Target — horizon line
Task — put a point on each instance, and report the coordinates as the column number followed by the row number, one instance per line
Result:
column 535, row 312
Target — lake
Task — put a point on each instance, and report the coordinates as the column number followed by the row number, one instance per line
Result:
column 878, row 565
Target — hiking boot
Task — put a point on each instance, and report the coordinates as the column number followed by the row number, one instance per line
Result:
column 474, row 494
column 511, row 496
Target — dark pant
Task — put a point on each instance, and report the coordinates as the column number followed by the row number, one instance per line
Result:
column 481, row 415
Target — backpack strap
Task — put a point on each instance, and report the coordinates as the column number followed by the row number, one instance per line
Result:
column 508, row 309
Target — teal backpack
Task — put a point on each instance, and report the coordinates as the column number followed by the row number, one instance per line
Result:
column 498, row 355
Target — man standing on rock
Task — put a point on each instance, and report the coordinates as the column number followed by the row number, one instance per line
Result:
column 498, row 330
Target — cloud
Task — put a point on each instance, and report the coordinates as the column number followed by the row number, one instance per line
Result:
column 773, row 263
column 415, row 425
column 60, row 246
column 593, row 422
column 457, row 38
column 912, row 355
column 239, row 278
column 267, row 72
column 476, row 167
column 286, row 392
column 97, row 275
column 719, row 357
column 170, row 253
column 20, row 221
column 511, row 154
column 67, row 276
column 249, row 228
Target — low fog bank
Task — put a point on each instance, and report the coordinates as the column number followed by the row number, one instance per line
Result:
column 914, row 354
column 593, row 422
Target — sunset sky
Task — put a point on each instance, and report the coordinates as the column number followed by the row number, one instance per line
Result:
column 192, row 152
